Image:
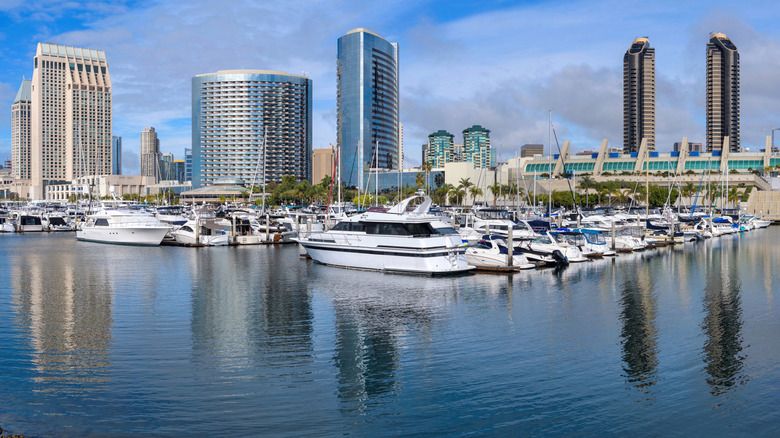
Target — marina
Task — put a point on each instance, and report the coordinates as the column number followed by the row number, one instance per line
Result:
column 107, row 339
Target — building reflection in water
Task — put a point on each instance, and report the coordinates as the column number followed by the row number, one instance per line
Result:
column 255, row 318
column 66, row 306
column 639, row 335
column 722, row 325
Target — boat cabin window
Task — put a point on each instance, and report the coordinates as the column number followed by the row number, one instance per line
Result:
column 101, row 222
column 398, row 229
column 445, row 230
column 349, row 226
column 187, row 228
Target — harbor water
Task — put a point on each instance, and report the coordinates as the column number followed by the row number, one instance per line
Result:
column 107, row 340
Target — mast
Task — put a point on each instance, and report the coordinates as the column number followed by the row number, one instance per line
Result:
column 265, row 134
column 549, row 170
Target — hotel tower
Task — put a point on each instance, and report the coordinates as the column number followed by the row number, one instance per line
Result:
column 722, row 93
column 639, row 96
column 71, row 116
column 368, row 102
column 247, row 124
column 20, row 131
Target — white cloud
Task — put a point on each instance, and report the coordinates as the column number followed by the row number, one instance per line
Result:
column 503, row 68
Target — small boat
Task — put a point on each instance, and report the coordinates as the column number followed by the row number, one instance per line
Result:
column 492, row 251
column 201, row 232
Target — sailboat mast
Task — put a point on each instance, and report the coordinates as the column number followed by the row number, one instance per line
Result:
column 265, row 134
column 549, row 169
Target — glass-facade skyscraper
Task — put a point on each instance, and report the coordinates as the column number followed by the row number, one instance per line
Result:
column 231, row 111
column 368, row 104
column 116, row 155
column 722, row 93
column 639, row 96
column 187, row 164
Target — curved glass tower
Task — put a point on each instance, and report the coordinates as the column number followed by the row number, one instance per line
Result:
column 367, row 105
column 722, row 93
column 639, row 96
column 231, row 109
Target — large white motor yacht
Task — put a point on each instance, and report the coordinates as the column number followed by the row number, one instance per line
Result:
column 121, row 225
column 397, row 240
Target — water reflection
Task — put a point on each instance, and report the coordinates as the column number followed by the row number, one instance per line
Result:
column 722, row 324
column 254, row 316
column 639, row 335
column 373, row 319
column 65, row 302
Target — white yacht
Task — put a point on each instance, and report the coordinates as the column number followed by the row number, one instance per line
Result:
column 397, row 241
column 209, row 233
column 492, row 251
column 122, row 225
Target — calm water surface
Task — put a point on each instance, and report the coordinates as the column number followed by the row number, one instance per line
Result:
column 103, row 340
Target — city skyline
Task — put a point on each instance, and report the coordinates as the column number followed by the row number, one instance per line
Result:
column 522, row 60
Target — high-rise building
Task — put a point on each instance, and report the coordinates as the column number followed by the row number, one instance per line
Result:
column 116, row 153
column 368, row 104
column 722, row 93
column 692, row 147
column 400, row 145
column 476, row 147
column 187, row 164
column 232, row 112
column 457, row 152
column 440, row 148
column 166, row 167
column 71, row 116
column 322, row 164
column 150, row 154
column 529, row 150
column 179, row 170
column 20, row 131
column 639, row 96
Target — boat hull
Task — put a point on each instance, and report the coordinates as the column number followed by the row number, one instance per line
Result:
column 440, row 261
column 144, row 236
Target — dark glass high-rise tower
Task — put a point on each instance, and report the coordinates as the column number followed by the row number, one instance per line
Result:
column 639, row 96
column 722, row 93
column 368, row 105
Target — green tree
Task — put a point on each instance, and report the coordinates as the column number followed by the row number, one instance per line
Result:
column 419, row 180
column 476, row 191
column 426, row 167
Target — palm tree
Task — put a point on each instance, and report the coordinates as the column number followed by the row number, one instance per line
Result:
column 456, row 195
column 419, row 180
column 495, row 189
column 426, row 167
column 587, row 183
column 734, row 195
column 475, row 191
column 465, row 183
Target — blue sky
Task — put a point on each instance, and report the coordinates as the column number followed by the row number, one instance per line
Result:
column 500, row 64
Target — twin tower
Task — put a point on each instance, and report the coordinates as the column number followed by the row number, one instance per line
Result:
column 722, row 94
